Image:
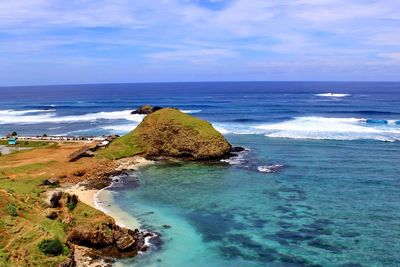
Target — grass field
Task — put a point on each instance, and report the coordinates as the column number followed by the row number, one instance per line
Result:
column 23, row 224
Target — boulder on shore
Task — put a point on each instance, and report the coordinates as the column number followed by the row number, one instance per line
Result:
column 170, row 134
column 110, row 239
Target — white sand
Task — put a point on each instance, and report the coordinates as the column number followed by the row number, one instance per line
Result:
column 103, row 199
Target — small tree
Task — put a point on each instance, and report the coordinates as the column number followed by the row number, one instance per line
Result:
column 44, row 135
column 14, row 133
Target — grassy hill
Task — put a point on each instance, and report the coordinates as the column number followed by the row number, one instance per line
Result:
column 170, row 133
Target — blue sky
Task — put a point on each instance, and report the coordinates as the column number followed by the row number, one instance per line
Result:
column 106, row 41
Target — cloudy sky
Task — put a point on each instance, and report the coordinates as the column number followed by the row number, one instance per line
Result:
column 95, row 41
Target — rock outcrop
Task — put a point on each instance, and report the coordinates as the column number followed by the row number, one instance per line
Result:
column 110, row 239
column 146, row 109
column 170, row 134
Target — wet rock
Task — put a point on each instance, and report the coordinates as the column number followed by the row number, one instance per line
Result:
column 111, row 239
column 166, row 226
column 124, row 239
column 237, row 149
column 91, row 238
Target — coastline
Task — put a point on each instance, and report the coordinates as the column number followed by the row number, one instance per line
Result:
column 102, row 200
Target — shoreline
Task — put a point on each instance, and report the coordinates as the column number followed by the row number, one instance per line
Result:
column 102, row 199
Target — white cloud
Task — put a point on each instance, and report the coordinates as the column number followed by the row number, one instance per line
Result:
column 325, row 32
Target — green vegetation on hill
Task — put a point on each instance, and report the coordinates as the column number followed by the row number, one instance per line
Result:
column 23, row 221
column 169, row 133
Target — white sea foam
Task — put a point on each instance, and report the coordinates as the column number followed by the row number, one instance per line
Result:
column 11, row 112
column 191, row 111
column 269, row 168
column 49, row 116
column 240, row 158
column 333, row 95
column 320, row 128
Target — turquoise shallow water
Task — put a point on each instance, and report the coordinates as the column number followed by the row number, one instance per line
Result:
column 335, row 203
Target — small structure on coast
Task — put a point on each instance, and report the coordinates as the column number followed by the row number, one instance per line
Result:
column 12, row 140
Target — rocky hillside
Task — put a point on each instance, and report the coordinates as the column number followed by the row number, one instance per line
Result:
column 169, row 133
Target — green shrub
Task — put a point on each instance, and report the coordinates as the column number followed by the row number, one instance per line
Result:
column 52, row 247
column 71, row 206
column 11, row 209
column 72, row 201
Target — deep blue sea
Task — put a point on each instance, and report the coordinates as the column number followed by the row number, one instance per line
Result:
column 334, row 200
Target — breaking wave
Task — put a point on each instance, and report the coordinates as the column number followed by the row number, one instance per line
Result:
column 190, row 111
column 36, row 116
column 270, row 168
column 50, row 116
column 321, row 128
column 333, row 95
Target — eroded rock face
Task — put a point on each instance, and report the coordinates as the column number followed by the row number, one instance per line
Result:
column 92, row 238
column 124, row 239
column 111, row 239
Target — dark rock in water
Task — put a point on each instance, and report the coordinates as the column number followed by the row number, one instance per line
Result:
column 166, row 226
column 55, row 199
column 156, row 108
column 110, row 239
column 156, row 241
column 237, row 149
column 146, row 109
column 123, row 239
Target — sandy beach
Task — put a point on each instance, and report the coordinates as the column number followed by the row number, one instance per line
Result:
column 103, row 199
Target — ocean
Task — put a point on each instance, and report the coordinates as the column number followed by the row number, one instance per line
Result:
column 319, row 183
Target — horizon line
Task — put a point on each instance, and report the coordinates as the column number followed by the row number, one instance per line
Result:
column 181, row 82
